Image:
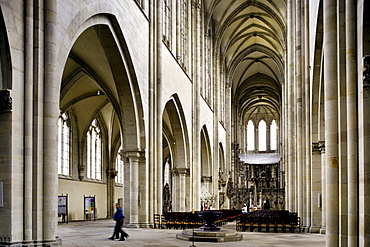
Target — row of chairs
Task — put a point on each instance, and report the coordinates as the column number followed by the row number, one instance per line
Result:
column 177, row 220
column 189, row 220
column 276, row 220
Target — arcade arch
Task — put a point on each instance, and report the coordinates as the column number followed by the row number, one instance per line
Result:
column 99, row 82
column 175, row 158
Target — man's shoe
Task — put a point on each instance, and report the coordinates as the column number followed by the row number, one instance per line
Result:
column 121, row 239
column 111, row 238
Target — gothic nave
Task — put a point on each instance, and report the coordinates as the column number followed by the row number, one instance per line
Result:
column 177, row 105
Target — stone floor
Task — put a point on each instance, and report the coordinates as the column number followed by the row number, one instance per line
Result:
column 96, row 233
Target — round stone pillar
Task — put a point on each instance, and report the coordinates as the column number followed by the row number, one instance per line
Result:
column 352, row 123
column 133, row 158
column 331, row 121
column 182, row 179
column 323, row 188
column 316, row 188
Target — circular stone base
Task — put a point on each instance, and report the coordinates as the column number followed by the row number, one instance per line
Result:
column 204, row 236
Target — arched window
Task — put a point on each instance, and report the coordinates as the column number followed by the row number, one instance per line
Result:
column 94, row 151
column 250, row 136
column 166, row 176
column 167, row 21
column 262, row 136
column 209, row 70
column 119, row 169
column 184, row 32
column 63, row 145
column 273, row 135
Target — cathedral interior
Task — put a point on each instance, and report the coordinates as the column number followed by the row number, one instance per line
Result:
column 181, row 105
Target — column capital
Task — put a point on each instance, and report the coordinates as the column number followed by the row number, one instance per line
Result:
column 207, row 179
column 81, row 172
column 196, row 4
column 133, row 155
column 5, row 101
column 366, row 71
column 322, row 146
column 181, row 170
column 112, row 173
column 316, row 148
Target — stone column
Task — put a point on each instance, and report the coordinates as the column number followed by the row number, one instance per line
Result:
column 50, row 122
column 158, row 179
column 315, row 202
column 291, row 162
column 299, row 109
column 307, row 110
column 181, row 188
column 216, row 147
column 364, row 157
column 342, row 125
column 133, row 158
column 195, row 162
column 7, row 164
column 111, row 183
column 323, row 187
column 144, row 208
column 28, row 121
column 151, row 142
column 331, row 121
column 352, row 134
column 126, row 207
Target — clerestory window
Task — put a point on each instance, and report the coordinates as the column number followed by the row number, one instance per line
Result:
column 184, row 32
column 262, row 136
column 273, row 135
column 250, row 136
column 167, row 21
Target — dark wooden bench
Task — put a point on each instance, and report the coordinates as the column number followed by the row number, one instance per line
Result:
column 188, row 220
column 267, row 220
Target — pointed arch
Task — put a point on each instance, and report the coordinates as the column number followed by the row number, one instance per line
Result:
column 5, row 59
column 206, row 160
column 176, row 155
column 121, row 89
column 174, row 122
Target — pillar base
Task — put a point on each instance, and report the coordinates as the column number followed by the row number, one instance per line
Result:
column 322, row 230
column 133, row 225
column 305, row 229
column 46, row 243
column 315, row 229
column 146, row 225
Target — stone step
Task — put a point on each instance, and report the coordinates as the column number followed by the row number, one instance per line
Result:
column 203, row 236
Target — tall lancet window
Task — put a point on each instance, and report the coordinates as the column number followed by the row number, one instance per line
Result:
column 167, row 173
column 262, row 136
column 94, row 153
column 119, row 169
column 167, row 21
column 273, row 135
column 250, row 136
column 184, row 32
column 63, row 145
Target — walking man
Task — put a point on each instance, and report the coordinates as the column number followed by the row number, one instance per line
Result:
column 118, row 217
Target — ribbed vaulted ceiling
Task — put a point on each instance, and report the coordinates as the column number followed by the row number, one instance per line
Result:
column 251, row 38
